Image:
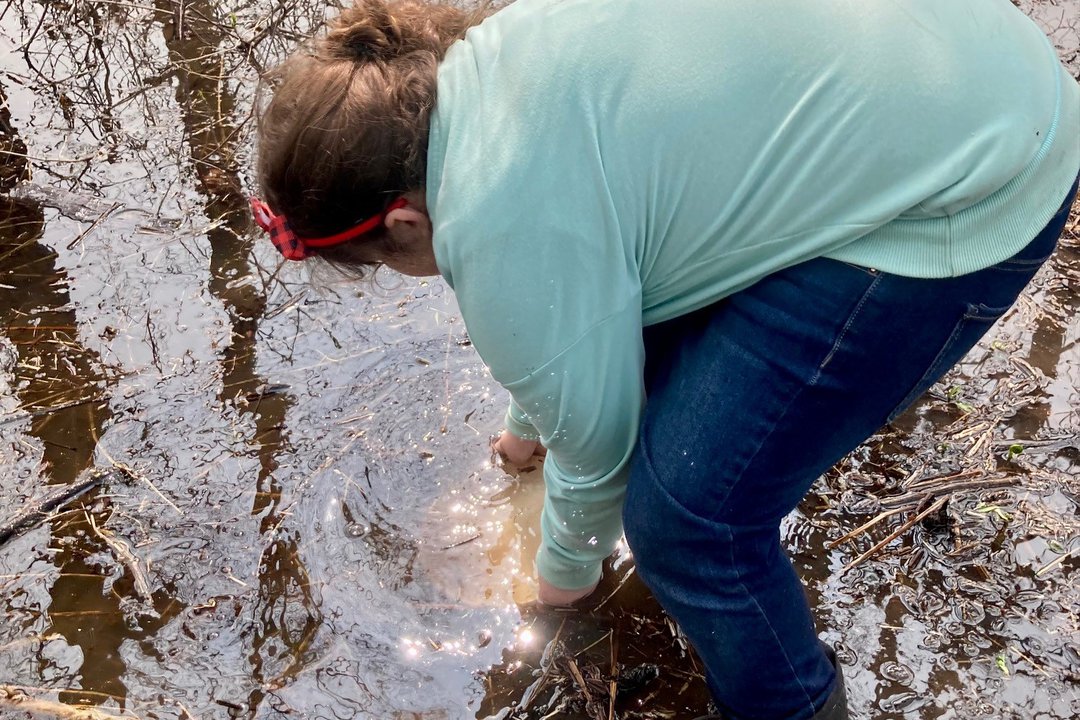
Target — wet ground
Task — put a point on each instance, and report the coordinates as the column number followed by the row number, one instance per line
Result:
column 300, row 518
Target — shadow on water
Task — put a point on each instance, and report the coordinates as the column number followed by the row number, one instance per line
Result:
column 311, row 502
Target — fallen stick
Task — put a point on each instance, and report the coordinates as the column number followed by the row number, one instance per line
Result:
column 924, row 483
column 579, row 680
column 23, row 413
column 131, row 473
column 899, row 531
column 29, row 640
column 537, row 686
column 39, row 511
column 13, row 698
column 863, row 528
column 613, row 681
column 126, row 557
column 1054, row 563
column 909, row 499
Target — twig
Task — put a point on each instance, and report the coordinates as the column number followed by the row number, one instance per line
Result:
column 926, row 482
column 899, row 531
column 99, row 697
column 126, row 557
column 613, row 681
column 907, row 500
column 983, row 439
column 579, row 679
column 32, row 639
column 237, row 580
column 466, row 541
column 23, row 413
column 131, row 473
column 594, row 643
column 614, row 592
column 37, row 512
column 973, row 430
column 153, row 342
column 93, row 225
column 35, row 158
column 1054, row 563
column 539, row 685
column 1038, row 668
column 863, row 528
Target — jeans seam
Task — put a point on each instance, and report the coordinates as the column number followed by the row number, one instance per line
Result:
column 797, row 394
column 1018, row 268
column 913, row 394
column 1025, row 263
column 761, row 612
column 844, row 331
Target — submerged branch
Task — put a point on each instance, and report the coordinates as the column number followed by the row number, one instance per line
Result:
column 38, row 511
column 126, row 557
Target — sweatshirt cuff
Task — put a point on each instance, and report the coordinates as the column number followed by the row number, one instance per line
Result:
column 564, row 573
column 516, row 423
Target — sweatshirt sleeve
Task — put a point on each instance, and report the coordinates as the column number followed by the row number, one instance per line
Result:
column 586, row 404
column 556, row 317
column 517, row 422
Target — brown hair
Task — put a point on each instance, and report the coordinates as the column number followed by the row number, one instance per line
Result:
column 346, row 131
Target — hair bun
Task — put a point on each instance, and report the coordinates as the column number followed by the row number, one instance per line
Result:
column 365, row 32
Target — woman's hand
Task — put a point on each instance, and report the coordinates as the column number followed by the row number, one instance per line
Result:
column 514, row 449
column 557, row 597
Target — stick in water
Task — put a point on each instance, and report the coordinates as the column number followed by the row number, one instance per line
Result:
column 39, row 510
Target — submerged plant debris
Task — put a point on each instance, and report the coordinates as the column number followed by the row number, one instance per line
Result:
column 287, row 507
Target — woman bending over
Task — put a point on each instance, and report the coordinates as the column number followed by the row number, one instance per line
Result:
column 707, row 247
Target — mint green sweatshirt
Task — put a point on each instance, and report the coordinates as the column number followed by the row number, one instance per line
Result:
column 599, row 165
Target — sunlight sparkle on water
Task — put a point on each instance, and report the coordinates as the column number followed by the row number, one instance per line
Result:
column 412, row 649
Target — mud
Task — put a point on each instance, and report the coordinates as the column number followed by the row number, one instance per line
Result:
column 308, row 522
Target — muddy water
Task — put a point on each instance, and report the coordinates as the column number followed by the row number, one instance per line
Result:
column 308, row 495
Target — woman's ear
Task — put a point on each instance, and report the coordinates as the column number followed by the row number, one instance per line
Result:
column 410, row 251
column 408, row 215
column 414, row 214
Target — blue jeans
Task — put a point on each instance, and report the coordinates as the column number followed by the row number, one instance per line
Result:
column 750, row 400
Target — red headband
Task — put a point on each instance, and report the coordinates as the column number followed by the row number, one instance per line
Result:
column 293, row 247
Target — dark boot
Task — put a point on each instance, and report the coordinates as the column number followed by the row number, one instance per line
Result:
column 835, row 708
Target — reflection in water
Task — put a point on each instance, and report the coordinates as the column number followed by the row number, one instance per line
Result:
column 62, row 386
column 60, row 382
column 13, row 165
column 287, row 609
column 1054, row 335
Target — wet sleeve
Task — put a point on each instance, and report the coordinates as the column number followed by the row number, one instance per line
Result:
column 553, row 307
column 586, row 404
column 517, row 422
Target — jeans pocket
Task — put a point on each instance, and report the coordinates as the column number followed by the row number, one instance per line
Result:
column 971, row 326
column 872, row 272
